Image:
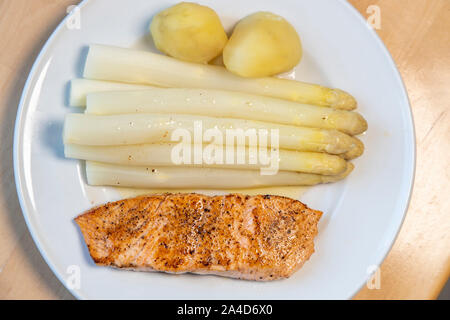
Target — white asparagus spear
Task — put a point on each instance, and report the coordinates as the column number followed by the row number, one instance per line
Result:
column 218, row 103
column 127, row 65
column 143, row 128
column 101, row 174
column 80, row 88
column 356, row 151
column 161, row 155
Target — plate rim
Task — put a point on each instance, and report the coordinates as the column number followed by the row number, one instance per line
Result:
column 411, row 124
column 19, row 178
column 18, row 174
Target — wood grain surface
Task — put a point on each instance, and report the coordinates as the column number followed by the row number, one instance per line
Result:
column 416, row 32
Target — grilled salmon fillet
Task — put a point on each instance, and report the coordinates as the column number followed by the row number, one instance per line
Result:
column 247, row 237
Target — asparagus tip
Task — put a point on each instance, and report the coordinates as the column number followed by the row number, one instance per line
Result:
column 339, row 99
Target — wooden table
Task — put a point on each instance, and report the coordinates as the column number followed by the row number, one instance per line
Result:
column 416, row 33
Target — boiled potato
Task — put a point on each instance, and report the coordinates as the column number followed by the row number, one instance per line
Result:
column 189, row 31
column 262, row 44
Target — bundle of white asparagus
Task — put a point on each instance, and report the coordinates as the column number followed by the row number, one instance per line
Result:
column 134, row 101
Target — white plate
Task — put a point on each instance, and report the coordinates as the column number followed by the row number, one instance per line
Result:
column 362, row 214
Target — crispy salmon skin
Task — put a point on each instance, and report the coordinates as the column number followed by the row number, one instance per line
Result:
column 247, row 237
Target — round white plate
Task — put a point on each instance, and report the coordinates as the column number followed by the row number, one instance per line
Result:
column 362, row 214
